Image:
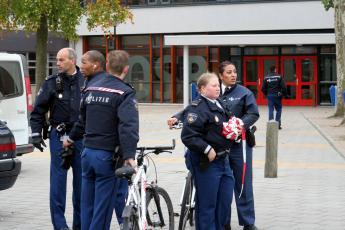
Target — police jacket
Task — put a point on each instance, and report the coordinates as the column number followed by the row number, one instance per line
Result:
column 203, row 126
column 60, row 95
column 78, row 129
column 242, row 104
column 273, row 85
column 110, row 114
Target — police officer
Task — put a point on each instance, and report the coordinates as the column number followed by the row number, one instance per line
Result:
column 274, row 89
column 109, row 111
column 201, row 134
column 241, row 102
column 60, row 95
column 93, row 68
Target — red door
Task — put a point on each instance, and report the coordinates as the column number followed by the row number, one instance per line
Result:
column 254, row 70
column 300, row 75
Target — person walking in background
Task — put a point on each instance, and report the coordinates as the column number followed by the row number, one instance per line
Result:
column 241, row 102
column 202, row 135
column 109, row 112
column 274, row 89
column 60, row 96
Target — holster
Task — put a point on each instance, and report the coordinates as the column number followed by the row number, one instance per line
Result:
column 250, row 136
column 117, row 158
column 67, row 157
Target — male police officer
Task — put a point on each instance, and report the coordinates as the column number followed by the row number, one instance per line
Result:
column 274, row 89
column 93, row 69
column 109, row 111
column 60, row 95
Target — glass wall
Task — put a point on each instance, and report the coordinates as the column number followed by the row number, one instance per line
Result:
column 139, row 65
column 328, row 73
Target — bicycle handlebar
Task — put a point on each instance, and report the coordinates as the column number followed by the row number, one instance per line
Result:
column 158, row 149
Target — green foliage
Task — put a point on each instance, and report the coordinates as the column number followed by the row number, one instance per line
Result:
column 62, row 15
column 328, row 4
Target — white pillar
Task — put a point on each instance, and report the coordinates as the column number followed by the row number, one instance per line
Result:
column 185, row 76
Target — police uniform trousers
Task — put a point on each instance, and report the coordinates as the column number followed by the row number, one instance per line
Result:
column 214, row 189
column 98, row 186
column 244, row 204
column 275, row 103
column 121, row 193
column 58, row 182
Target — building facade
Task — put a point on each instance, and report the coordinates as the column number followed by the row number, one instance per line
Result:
column 296, row 36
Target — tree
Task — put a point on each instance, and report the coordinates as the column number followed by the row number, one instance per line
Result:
column 60, row 17
column 339, row 26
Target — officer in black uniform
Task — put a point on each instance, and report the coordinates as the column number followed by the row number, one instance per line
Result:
column 274, row 89
column 241, row 102
column 93, row 69
column 60, row 95
column 201, row 134
column 109, row 111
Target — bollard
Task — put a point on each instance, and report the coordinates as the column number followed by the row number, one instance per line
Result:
column 271, row 164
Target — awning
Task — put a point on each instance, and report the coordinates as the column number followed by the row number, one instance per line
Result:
column 249, row 39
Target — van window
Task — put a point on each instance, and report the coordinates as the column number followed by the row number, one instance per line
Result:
column 11, row 83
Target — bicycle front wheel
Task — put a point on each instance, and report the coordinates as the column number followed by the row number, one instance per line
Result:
column 160, row 213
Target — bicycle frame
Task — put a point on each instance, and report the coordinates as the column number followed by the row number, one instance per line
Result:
column 138, row 189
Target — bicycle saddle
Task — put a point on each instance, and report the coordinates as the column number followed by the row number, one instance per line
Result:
column 125, row 172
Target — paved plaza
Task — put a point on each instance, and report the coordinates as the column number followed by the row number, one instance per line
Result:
column 308, row 193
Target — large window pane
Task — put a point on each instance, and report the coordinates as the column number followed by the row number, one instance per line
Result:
column 139, row 65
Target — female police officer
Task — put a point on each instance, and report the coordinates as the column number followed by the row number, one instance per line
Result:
column 242, row 104
column 201, row 134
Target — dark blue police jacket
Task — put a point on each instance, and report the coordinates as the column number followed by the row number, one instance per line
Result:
column 78, row 129
column 63, row 105
column 242, row 104
column 203, row 125
column 109, row 111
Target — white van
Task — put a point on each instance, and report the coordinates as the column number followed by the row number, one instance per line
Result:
column 15, row 99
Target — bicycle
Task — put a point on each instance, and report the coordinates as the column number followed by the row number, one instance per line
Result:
column 187, row 201
column 144, row 202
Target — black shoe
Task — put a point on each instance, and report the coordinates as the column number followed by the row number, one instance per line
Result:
column 280, row 127
column 250, row 227
column 76, row 228
column 227, row 227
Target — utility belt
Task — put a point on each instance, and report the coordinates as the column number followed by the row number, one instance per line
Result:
column 62, row 127
column 204, row 161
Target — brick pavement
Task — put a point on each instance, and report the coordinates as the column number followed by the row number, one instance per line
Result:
column 308, row 193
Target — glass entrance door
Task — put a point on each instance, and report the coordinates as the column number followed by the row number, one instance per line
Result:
column 300, row 75
column 254, row 70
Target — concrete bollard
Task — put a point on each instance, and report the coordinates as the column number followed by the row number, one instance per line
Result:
column 271, row 164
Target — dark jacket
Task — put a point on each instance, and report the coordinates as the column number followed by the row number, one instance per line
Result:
column 78, row 128
column 62, row 100
column 110, row 114
column 242, row 104
column 203, row 126
column 273, row 85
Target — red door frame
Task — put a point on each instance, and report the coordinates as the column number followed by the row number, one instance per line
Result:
column 260, row 98
column 298, row 83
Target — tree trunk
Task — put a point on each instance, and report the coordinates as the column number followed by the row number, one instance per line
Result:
column 41, row 52
column 339, row 19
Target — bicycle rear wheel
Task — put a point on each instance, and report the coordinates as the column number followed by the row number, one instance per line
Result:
column 160, row 213
column 187, row 213
column 130, row 218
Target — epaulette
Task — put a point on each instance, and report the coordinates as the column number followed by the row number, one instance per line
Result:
column 196, row 102
column 130, row 86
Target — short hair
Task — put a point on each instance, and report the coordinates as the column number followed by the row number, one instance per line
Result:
column 223, row 65
column 72, row 54
column 117, row 61
column 96, row 56
column 273, row 68
column 205, row 78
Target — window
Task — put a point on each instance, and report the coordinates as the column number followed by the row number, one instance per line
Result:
column 10, row 79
